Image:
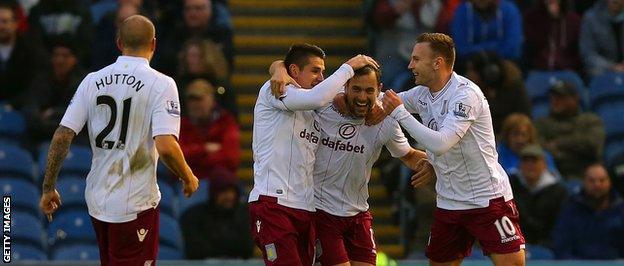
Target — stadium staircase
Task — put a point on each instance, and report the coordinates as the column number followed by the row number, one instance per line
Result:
column 263, row 32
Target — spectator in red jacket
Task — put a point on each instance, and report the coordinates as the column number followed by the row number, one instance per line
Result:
column 209, row 136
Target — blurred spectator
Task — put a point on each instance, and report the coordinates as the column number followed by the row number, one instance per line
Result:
column 397, row 23
column 502, row 84
column 575, row 138
column 21, row 14
column 20, row 59
column 209, row 135
column 53, row 89
column 581, row 6
column 551, row 34
column 602, row 37
column 104, row 47
column 518, row 132
column 488, row 25
column 538, row 194
column 204, row 59
column 202, row 19
column 52, row 19
column 591, row 224
column 216, row 229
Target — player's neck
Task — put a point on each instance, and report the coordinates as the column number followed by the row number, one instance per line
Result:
column 440, row 82
column 144, row 54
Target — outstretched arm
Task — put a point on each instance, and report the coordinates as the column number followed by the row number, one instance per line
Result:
column 437, row 142
column 50, row 199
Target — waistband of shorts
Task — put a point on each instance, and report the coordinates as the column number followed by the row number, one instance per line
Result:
column 265, row 198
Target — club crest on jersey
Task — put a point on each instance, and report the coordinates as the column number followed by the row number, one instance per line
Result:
column 347, row 131
column 461, row 110
column 173, row 108
column 432, row 124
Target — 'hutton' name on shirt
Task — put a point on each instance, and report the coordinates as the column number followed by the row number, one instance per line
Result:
column 129, row 80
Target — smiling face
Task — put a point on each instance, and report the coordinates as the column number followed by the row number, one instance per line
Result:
column 422, row 64
column 311, row 74
column 361, row 93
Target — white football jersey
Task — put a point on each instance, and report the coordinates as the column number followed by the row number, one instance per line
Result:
column 285, row 139
column 125, row 105
column 344, row 160
column 468, row 175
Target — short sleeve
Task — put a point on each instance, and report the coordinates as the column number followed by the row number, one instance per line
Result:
column 77, row 111
column 464, row 108
column 410, row 100
column 396, row 143
column 166, row 112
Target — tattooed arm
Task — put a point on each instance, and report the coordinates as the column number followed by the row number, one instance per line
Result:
column 51, row 200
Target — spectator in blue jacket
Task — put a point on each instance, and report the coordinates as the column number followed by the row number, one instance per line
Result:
column 488, row 25
column 602, row 37
column 591, row 225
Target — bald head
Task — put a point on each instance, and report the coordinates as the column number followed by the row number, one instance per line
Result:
column 136, row 33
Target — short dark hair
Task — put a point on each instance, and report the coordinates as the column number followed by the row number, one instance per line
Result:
column 441, row 44
column 367, row 70
column 299, row 54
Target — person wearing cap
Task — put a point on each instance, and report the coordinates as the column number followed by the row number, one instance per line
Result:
column 573, row 137
column 210, row 135
column 539, row 195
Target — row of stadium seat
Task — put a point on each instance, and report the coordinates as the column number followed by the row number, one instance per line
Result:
column 72, row 190
column 78, row 252
column 73, row 229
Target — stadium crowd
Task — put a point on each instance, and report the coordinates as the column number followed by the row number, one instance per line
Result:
column 551, row 71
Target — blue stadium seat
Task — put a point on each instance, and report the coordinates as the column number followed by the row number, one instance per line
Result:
column 168, row 199
column 537, row 252
column 573, row 186
column 76, row 252
column 28, row 229
column 27, row 253
column 604, row 87
column 72, row 191
column 17, row 162
column 24, row 194
column 200, row 196
column 71, row 227
column 612, row 118
column 170, row 234
column 613, row 148
column 540, row 110
column 539, row 82
column 77, row 162
column 12, row 125
column 169, row 253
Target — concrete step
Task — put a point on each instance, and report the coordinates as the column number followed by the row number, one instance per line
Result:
column 279, row 44
column 260, row 63
column 300, row 23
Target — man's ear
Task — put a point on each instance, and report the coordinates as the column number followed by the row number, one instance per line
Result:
column 119, row 44
column 293, row 70
column 153, row 44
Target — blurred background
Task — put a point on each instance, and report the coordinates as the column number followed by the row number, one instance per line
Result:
column 552, row 71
